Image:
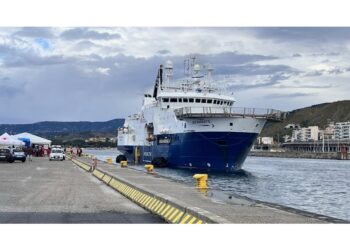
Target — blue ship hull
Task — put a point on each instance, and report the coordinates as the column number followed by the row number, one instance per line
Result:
column 204, row 151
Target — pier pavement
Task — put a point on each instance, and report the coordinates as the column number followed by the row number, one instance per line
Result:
column 44, row 191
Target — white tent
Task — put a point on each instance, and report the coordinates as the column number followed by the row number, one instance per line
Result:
column 33, row 138
column 8, row 140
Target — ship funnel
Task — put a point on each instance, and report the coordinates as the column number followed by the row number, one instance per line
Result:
column 168, row 66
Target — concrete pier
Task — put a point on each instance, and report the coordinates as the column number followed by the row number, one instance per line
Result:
column 44, row 191
column 151, row 190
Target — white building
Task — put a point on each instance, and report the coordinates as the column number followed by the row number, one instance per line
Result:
column 287, row 138
column 293, row 126
column 265, row 140
column 305, row 134
column 342, row 130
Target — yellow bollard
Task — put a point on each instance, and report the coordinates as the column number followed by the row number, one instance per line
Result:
column 201, row 180
column 149, row 168
column 109, row 160
column 123, row 164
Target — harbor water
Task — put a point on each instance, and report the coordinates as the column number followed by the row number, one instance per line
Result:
column 313, row 185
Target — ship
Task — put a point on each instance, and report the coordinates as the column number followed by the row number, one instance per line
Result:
column 191, row 123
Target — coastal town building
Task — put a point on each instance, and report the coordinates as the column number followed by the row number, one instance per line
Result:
column 265, row 140
column 342, row 130
column 310, row 133
column 292, row 126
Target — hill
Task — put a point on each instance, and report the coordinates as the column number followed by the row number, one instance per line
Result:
column 56, row 128
column 318, row 115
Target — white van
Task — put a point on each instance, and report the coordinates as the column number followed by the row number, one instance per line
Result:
column 57, row 154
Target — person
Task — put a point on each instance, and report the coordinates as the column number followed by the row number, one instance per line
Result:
column 94, row 164
column 29, row 153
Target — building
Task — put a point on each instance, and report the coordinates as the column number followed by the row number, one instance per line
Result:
column 310, row 133
column 265, row 140
column 342, row 130
column 287, row 138
column 292, row 126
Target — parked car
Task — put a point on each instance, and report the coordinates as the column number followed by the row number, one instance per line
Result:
column 18, row 154
column 5, row 155
column 57, row 154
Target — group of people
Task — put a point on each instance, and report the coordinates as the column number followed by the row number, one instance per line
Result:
column 77, row 152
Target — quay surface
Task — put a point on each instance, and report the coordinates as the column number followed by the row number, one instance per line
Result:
column 44, row 191
column 185, row 199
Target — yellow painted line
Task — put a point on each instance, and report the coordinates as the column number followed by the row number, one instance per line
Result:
column 145, row 197
column 133, row 194
column 151, row 205
column 165, row 210
column 185, row 219
column 146, row 200
column 173, row 214
column 169, row 213
column 159, row 207
column 138, row 196
column 149, row 202
column 199, row 222
column 178, row 217
column 128, row 190
column 192, row 220
column 154, row 205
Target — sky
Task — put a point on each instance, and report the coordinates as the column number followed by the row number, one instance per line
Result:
column 99, row 74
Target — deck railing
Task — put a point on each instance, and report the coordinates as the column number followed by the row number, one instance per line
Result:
column 202, row 112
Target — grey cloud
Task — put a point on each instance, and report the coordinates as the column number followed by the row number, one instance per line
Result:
column 163, row 51
column 270, row 80
column 13, row 57
column 85, row 33
column 254, row 69
column 296, row 55
column 35, row 32
column 295, row 34
column 277, row 96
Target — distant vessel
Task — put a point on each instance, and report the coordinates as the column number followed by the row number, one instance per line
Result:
column 191, row 124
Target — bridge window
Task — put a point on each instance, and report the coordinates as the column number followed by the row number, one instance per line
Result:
column 221, row 102
column 204, row 101
column 165, row 99
column 173, row 99
column 180, row 99
column 198, row 100
column 191, row 100
column 209, row 101
column 185, row 100
column 214, row 102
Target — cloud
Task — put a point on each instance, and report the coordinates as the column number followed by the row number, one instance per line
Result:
column 163, row 51
column 290, row 95
column 18, row 57
column 103, row 71
column 35, row 32
column 85, row 33
column 89, row 70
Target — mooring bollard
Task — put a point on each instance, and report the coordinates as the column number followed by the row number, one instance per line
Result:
column 149, row 168
column 123, row 164
column 109, row 160
column 201, row 180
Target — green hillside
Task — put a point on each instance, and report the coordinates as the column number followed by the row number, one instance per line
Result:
column 318, row 115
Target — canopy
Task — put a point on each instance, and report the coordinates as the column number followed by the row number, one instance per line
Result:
column 33, row 138
column 6, row 139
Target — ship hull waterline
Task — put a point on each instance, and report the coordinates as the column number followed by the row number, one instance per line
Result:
column 200, row 151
